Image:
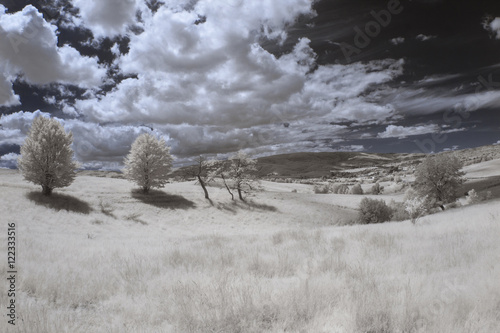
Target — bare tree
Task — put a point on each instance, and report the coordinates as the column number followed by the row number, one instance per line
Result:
column 241, row 170
column 238, row 172
column 201, row 171
column 149, row 162
column 46, row 155
column 439, row 178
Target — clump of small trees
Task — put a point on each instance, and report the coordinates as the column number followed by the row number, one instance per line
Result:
column 237, row 173
column 46, row 155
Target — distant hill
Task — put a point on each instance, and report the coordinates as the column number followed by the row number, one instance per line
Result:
column 315, row 165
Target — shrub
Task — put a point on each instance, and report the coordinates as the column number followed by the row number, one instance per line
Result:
column 321, row 189
column 373, row 211
column 356, row 189
column 340, row 189
column 377, row 189
column 473, row 197
column 416, row 207
column 398, row 211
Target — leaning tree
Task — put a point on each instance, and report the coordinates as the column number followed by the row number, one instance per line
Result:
column 149, row 162
column 202, row 171
column 46, row 155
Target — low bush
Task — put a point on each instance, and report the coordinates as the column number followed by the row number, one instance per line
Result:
column 356, row 189
column 321, row 189
column 377, row 189
column 398, row 211
column 340, row 189
column 373, row 211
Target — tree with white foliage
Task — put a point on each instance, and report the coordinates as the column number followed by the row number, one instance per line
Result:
column 149, row 162
column 416, row 207
column 46, row 155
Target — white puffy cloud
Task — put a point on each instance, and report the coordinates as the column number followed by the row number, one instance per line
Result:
column 397, row 40
column 493, row 26
column 424, row 38
column 107, row 18
column 400, row 132
column 15, row 126
column 9, row 160
column 92, row 142
column 202, row 77
column 29, row 48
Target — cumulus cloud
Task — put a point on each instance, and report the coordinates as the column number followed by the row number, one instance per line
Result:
column 92, row 143
column 424, row 38
column 397, row 40
column 9, row 161
column 493, row 26
column 29, row 47
column 107, row 18
column 400, row 132
column 211, row 86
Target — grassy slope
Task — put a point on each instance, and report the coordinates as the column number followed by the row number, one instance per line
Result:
column 114, row 263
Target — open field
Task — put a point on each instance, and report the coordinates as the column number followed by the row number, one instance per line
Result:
column 99, row 258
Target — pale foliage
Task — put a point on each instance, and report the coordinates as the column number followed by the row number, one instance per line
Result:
column 473, row 197
column 46, row 155
column 415, row 207
column 149, row 162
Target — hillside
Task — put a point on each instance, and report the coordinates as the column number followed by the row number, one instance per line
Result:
column 315, row 165
column 99, row 257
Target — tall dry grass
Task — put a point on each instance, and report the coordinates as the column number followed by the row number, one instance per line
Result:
column 179, row 272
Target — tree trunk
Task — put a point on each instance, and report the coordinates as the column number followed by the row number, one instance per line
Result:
column 240, row 195
column 46, row 190
column 145, row 189
column 227, row 187
column 202, row 183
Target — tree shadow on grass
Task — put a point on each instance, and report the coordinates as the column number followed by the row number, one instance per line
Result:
column 163, row 200
column 249, row 205
column 58, row 201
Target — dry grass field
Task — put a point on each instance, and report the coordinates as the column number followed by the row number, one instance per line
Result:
column 98, row 257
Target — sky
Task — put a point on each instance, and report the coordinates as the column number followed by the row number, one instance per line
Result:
column 264, row 76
